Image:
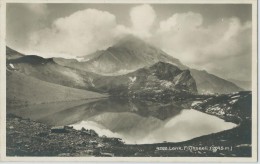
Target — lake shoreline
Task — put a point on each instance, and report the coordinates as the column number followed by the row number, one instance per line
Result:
column 24, row 142
column 26, row 137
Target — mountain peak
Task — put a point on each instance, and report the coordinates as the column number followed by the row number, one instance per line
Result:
column 130, row 41
column 165, row 70
column 162, row 64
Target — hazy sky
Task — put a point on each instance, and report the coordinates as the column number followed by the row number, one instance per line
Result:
column 213, row 37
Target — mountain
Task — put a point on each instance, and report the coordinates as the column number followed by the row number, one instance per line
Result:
column 157, row 77
column 246, row 85
column 208, row 83
column 156, row 82
column 22, row 90
column 128, row 55
column 131, row 53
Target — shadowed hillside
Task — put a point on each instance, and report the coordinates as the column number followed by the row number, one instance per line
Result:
column 22, row 89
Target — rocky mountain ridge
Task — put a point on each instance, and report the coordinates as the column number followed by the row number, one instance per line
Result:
column 131, row 53
column 155, row 81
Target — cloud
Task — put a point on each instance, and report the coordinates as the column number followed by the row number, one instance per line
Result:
column 185, row 37
column 87, row 31
column 37, row 8
column 79, row 34
column 142, row 18
column 181, row 21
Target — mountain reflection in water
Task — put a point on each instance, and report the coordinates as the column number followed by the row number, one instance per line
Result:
column 136, row 122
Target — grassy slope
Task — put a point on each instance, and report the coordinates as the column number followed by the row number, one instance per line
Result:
column 22, row 89
column 49, row 71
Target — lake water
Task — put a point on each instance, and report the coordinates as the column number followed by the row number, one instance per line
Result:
column 136, row 122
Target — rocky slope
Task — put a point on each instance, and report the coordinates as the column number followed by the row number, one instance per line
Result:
column 158, row 81
column 232, row 107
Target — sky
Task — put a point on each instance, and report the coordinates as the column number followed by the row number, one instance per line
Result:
column 212, row 37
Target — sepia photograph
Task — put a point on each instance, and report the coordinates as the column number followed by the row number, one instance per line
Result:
column 113, row 80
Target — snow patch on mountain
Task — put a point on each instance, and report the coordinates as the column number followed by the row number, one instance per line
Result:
column 12, row 66
column 196, row 103
column 236, row 96
column 81, row 59
column 91, row 82
column 233, row 101
column 132, row 79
